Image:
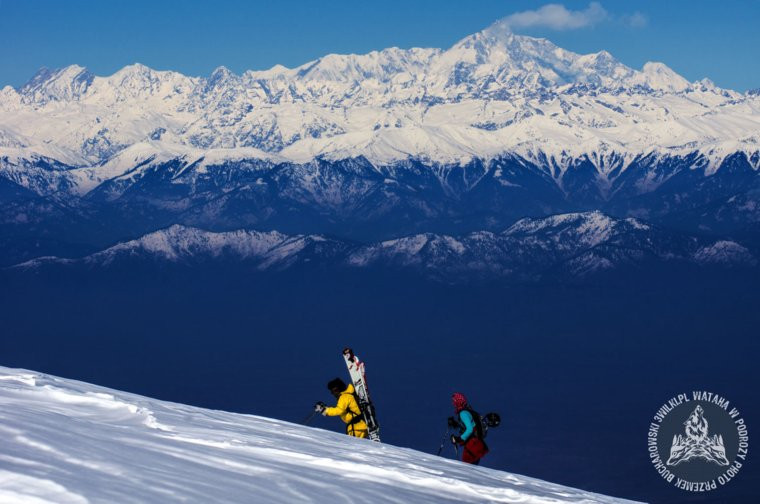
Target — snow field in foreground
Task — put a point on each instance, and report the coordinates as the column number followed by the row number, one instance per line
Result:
column 69, row 442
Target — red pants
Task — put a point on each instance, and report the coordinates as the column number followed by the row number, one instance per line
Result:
column 474, row 449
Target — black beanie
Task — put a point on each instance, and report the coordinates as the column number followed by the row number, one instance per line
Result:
column 336, row 383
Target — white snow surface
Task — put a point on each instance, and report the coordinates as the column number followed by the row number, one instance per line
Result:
column 491, row 93
column 69, row 442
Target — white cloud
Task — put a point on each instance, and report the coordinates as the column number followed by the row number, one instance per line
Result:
column 636, row 20
column 558, row 17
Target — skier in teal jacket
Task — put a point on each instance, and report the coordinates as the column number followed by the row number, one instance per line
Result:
column 471, row 430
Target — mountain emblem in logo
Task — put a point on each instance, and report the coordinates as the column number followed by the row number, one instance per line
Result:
column 697, row 443
column 692, row 453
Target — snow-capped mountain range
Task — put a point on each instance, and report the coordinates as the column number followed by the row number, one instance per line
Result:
column 70, row 442
column 563, row 246
column 491, row 93
column 370, row 147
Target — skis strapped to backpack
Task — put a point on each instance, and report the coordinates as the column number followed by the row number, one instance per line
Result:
column 356, row 371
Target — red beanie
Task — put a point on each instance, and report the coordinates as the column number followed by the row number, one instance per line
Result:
column 459, row 401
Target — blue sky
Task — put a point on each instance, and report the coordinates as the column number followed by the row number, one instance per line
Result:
column 718, row 40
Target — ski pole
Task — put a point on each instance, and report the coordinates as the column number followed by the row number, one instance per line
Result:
column 308, row 418
column 443, row 441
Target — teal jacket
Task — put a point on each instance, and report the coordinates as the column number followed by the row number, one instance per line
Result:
column 469, row 424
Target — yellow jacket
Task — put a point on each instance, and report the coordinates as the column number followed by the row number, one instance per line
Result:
column 348, row 411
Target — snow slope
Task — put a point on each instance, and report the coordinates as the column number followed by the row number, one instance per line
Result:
column 68, row 442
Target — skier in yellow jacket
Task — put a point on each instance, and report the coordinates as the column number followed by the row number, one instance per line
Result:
column 347, row 408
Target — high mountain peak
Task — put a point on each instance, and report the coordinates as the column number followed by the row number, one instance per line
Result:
column 221, row 76
column 63, row 84
column 380, row 65
column 661, row 76
column 135, row 68
column 45, row 75
column 706, row 84
column 528, row 62
column 221, row 71
column 138, row 71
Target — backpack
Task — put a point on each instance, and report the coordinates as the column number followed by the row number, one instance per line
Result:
column 482, row 423
column 366, row 413
column 356, row 417
column 490, row 420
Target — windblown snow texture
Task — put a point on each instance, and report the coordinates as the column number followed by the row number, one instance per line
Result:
column 69, row 442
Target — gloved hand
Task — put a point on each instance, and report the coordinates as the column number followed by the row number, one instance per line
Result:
column 453, row 422
column 319, row 407
column 456, row 439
